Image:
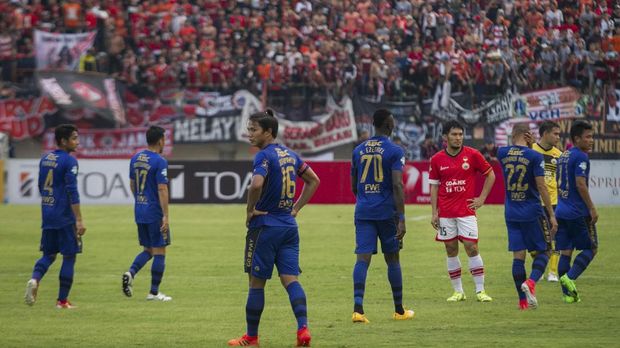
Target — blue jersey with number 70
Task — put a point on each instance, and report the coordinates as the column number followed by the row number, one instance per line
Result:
column 147, row 169
column 280, row 167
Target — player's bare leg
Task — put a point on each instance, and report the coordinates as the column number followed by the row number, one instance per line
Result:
column 359, row 286
column 454, row 270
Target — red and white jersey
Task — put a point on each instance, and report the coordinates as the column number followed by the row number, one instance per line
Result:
column 456, row 177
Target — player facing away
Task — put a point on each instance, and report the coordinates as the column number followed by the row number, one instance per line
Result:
column 61, row 216
column 377, row 183
column 453, row 182
column 148, row 174
column 549, row 132
column 272, row 237
column 576, row 214
column 527, row 224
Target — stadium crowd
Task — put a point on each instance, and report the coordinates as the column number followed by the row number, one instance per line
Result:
column 394, row 49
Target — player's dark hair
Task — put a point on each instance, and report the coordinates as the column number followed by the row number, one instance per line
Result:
column 64, row 131
column 379, row 117
column 577, row 129
column 266, row 120
column 154, row 134
column 448, row 126
column 547, row 126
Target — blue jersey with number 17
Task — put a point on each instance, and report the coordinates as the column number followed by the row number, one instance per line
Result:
column 521, row 165
column 571, row 164
column 58, row 188
column 280, row 167
column 372, row 164
column 148, row 169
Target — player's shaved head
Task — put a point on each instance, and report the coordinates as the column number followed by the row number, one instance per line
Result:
column 520, row 129
column 266, row 120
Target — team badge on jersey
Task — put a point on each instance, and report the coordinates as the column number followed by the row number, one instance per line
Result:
column 74, row 170
column 465, row 165
column 583, row 165
column 164, row 172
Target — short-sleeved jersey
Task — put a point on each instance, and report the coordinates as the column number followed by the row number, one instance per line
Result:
column 571, row 164
column 551, row 163
column 372, row 164
column 521, row 165
column 147, row 169
column 280, row 167
column 58, row 173
column 456, row 178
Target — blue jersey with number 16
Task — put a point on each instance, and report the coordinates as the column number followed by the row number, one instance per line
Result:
column 521, row 165
column 280, row 167
column 148, row 169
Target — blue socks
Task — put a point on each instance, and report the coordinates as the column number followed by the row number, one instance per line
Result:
column 563, row 268
column 580, row 264
column 519, row 276
column 139, row 262
column 396, row 281
column 254, row 309
column 157, row 272
column 538, row 266
column 359, row 285
column 41, row 266
column 297, row 296
column 66, row 277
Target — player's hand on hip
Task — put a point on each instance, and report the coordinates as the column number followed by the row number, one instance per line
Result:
column 475, row 203
column 401, row 229
column 164, row 225
column 251, row 214
column 80, row 228
column 594, row 215
column 435, row 221
column 294, row 212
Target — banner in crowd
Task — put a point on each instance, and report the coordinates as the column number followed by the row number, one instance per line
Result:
column 110, row 143
column 84, row 95
column 604, row 182
column 99, row 182
column 551, row 104
column 336, row 127
column 491, row 112
column 61, row 51
column 25, row 118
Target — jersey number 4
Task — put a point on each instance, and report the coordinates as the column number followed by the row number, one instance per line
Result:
column 49, row 183
column 376, row 161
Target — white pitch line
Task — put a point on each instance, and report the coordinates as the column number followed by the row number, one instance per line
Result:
column 420, row 218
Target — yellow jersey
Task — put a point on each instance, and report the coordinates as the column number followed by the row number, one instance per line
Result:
column 551, row 162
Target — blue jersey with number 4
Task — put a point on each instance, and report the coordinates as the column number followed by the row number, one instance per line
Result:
column 571, row 164
column 280, row 167
column 521, row 165
column 58, row 188
column 372, row 164
column 147, row 169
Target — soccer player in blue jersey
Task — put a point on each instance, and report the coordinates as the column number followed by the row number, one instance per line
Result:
column 148, row 172
column 527, row 224
column 61, row 216
column 576, row 213
column 272, row 237
column 377, row 182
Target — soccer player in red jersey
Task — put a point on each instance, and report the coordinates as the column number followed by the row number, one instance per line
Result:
column 452, row 177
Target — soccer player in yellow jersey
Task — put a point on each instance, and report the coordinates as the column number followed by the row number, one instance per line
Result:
column 547, row 145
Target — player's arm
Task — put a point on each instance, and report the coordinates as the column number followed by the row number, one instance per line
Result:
column 434, row 182
column 162, row 191
column 311, row 183
column 489, row 180
column 582, row 188
column 399, row 201
column 353, row 177
column 254, row 192
column 544, row 194
column 73, row 194
column 132, row 186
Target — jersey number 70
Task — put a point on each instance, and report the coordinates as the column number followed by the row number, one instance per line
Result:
column 376, row 161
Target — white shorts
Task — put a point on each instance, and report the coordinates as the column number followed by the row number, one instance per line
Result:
column 464, row 228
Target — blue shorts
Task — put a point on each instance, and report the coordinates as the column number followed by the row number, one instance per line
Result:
column 267, row 246
column 150, row 235
column 63, row 240
column 577, row 234
column 367, row 231
column 531, row 235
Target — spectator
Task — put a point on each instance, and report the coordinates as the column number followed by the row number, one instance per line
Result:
column 489, row 150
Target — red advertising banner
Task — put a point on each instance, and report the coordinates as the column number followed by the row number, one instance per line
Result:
column 336, row 183
column 110, row 143
column 24, row 118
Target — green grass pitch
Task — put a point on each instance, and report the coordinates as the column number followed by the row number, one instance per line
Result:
column 204, row 276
